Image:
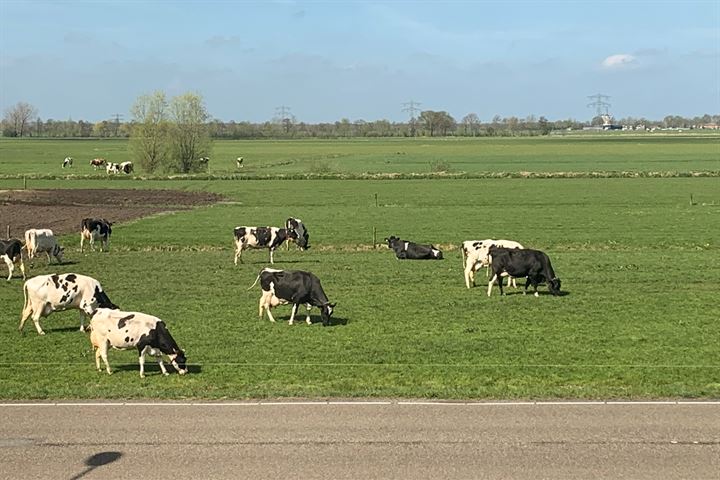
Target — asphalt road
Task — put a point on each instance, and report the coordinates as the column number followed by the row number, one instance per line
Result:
column 386, row 440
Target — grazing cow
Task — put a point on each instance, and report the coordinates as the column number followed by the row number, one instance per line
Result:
column 94, row 229
column 45, row 294
column 126, row 167
column 532, row 264
column 112, row 167
column 67, row 162
column 97, row 162
column 122, row 330
column 281, row 287
column 11, row 253
column 204, row 160
column 302, row 237
column 260, row 237
column 239, row 162
column 475, row 255
column 405, row 250
column 42, row 240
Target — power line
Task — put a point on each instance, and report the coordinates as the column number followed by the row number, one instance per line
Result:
column 412, row 108
column 601, row 106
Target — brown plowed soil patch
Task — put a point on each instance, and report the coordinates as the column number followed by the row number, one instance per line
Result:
column 62, row 210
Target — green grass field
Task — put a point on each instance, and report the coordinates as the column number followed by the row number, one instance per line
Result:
column 640, row 265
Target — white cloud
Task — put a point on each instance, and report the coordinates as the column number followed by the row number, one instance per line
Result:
column 621, row 60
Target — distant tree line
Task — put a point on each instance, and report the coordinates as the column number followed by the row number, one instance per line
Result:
column 22, row 120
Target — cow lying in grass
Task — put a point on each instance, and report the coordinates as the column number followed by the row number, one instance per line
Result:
column 405, row 250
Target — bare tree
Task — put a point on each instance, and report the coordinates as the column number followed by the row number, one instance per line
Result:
column 472, row 124
column 18, row 118
column 149, row 137
column 190, row 141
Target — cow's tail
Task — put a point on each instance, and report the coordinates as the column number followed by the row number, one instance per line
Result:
column 26, row 298
column 463, row 254
column 256, row 280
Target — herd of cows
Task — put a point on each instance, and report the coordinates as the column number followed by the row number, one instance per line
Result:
column 111, row 327
column 110, row 167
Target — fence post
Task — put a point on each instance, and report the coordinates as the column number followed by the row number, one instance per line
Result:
column 374, row 237
column 376, row 204
column 24, row 182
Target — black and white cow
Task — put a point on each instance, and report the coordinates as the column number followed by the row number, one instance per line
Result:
column 475, row 255
column 112, row 167
column 239, row 162
column 97, row 162
column 532, row 264
column 67, row 162
column 45, row 294
column 95, row 229
column 405, row 250
column 126, row 167
column 281, row 287
column 122, row 330
column 260, row 237
column 42, row 240
column 11, row 251
column 302, row 236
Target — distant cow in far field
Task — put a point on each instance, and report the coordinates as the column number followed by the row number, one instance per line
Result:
column 239, row 162
column 405, row 250
column 95, row 229
column 260, row 237
column 11, row 253
column 111, row 167
column 126, row 167
column 97, row 162
column 67, row 162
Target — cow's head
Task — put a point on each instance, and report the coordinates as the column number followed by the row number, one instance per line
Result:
column 326, row 312
column 303, row 241
column 102, row 300
column 392, row 240
column 179, row 361
column 554, row 286
column 58, row 252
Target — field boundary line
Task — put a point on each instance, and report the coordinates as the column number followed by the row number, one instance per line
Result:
column 401, row 403
column 403, row 365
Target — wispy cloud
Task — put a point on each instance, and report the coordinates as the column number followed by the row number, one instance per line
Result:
column 621, row 60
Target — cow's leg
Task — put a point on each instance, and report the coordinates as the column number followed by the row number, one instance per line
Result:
column 22, row 267
column 36, row 320
column 27, row 311
column 10, row 266
column 271, row 256
column 307, row 319
column 103, row 351
column 469, row 275
column 293, row 312
column 490, row 284
column 500, row 284
column 82, row 242
column 272, row 319
column 238, row 253
column 162, row 365
column 82, row 320
column 141, row 361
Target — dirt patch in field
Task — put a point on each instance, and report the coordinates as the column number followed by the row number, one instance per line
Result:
column 62, row 210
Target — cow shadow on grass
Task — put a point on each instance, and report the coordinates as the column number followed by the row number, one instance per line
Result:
column 512, row 293
column 153, row 369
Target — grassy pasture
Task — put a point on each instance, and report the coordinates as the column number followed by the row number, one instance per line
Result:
column 640, row 265
column 578, row 153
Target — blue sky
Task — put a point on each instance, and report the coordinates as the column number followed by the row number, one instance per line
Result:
column 363, row 59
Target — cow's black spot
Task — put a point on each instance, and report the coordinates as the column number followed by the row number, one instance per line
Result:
column 75, row 288
column 71, row 277
column 55, row 279
column 127, row 339
column 121, row 322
